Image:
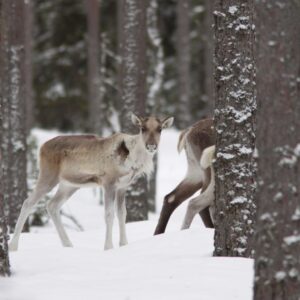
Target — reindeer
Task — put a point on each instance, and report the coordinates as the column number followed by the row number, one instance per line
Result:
column 73, row 162
column 206, row 197
column 194, row 140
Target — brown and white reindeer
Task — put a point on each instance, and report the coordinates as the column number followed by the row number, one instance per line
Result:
column 73, row 162
column 193, row 140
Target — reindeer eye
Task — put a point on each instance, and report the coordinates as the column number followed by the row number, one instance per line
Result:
column 159, row 129
column 143, row 128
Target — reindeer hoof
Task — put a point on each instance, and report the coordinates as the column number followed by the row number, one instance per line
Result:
column 12, row 247
column 123, row 243
column 68, row 245
column 108, row 247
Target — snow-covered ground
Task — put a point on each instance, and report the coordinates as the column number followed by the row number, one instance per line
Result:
column 176, row 265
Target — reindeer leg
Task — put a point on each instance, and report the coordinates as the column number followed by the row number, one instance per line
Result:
column 206, row 214
column 121, row 208
column 62, row 195
column 201, row 202
column 110, row 194
column 196, row 205
column 212, row 210
column 182, row 192
column 206, row 217
column 44, row 185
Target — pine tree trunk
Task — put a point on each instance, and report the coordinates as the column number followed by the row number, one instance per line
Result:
column 234, row 122
column 277, row 257
column 155, row 77
column 28, row 64
column 133, row 91
column 208, row 57
column 151, row 196
column 13, row 107
column 183, row 115
column 120, row 22
column 4, row 260
column 96, row 107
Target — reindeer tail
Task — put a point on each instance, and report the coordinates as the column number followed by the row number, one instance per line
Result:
column 181, row 140
column 207, row 157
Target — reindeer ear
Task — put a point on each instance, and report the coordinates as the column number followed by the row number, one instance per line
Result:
column 168, row 122
column 136, row 120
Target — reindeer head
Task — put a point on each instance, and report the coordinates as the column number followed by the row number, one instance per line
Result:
column 150, row 130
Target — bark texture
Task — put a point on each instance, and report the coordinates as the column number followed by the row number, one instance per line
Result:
column 151, row 196
column 28, row 64
column 277, row 254
column 4, row 260
column 184, row 57
column 96, row 106
column 133, row 91
column 155, row 78
column 234, row 123
column 208, row 56
column 13, row 107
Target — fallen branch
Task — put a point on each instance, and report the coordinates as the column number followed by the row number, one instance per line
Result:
column 73, row 219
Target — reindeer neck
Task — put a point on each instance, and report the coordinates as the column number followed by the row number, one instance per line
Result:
column 137, row 146
column 139, row 156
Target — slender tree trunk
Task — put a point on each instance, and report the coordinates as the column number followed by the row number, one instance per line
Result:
column 277, row 256
column 234, row 122
column 120, row 14
column 152, row 181
column 156, row 57
column 155, row 76
column 96, row 107
column 4, row 260
column 183, row 116
column 28, row 64
column 133, row 89
column 13, row 107
column 208, row 56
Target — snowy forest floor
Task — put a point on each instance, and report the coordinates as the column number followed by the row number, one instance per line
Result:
column 176, row 265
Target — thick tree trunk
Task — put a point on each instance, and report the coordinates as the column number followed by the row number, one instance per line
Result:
column 234, row 122
column 96, row 107
column 13, row 107
column 133, row 90
column 277, row 256
column 28, row 64
column 183, row 115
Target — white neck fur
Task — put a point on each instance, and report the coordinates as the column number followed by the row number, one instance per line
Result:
column 139, row 158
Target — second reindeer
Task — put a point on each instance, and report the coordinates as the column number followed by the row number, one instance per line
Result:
column 194, row 140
